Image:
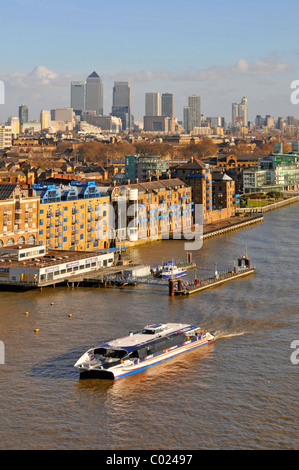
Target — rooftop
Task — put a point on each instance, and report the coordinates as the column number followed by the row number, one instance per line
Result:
column 9, row 256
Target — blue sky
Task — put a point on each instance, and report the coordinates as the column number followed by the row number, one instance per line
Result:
column 219, row 50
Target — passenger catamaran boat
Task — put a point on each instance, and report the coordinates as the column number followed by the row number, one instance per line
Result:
column 140, row 350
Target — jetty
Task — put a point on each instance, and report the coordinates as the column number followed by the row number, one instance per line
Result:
column 133, row 275
column 243, row 268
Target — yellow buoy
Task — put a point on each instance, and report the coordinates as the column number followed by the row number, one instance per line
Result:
column 26, row 313
column 36, row 330
column 70, row 315
column 52, row 303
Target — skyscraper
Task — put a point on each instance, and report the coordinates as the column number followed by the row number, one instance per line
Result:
column 23, row 114
column 152, row 104
column 186, row 119
column 167, row 105
column 45, row 119
column 243, row 111
column 235, row 114
column 78, row 97
column 195, row 111
column 192, row 113
column 121, row 103
column 94, row 93
column 240, row 113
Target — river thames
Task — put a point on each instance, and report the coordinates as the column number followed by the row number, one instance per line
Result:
column 241, row 392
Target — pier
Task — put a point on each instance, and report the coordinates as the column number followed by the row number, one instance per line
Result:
column 178, row 287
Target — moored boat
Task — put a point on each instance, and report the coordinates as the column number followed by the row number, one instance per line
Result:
column 169, row 271
column 140, row 350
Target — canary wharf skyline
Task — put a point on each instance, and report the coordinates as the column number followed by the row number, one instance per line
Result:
column 219, row 51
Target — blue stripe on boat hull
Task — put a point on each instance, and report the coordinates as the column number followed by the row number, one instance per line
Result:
column 161, row 360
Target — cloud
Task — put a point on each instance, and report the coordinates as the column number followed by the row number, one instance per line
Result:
column 263, row 67
column 39, row 77
column 141, row 76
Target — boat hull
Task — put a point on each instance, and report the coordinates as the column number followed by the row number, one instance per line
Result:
column 174, row 276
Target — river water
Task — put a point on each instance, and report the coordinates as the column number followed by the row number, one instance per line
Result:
column 241, row 392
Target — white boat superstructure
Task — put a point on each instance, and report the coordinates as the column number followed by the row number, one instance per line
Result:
column 172, row 271
column 140, row 350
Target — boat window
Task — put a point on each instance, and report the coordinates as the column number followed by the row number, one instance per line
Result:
column 153, row 330
column 112, row 353
column 148, row 331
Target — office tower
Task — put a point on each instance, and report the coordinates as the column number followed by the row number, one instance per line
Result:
column 235, row 114
column 167, row 105
column 186, row 119
column 152, row 104
column 78, row 96
column 240, row 113
column 121, row 103
column 215, row 121
column 45, row 119
column 280, row 123
column 195, row 115
column 243, row 111
column 14, row 123
column 62, row 114
column 192, row 114
column 23, row 114
column 94, row 94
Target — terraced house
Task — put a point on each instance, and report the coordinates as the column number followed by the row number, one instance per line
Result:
column 85, row 217
column 18, row 216
column 73, row 217
column 153, row 210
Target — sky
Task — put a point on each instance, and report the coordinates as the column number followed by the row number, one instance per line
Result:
column 218, row 50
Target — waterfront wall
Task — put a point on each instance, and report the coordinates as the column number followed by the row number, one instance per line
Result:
column 270, row 207
column 233, row 226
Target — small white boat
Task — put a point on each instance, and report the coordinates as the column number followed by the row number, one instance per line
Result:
column 140, row 350
column 169, row 271
column 172, row 271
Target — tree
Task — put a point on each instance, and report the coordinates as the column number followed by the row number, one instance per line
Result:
column 204, row 148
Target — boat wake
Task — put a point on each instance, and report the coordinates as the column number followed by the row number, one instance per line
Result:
column 236, row 326
column 228, row 334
